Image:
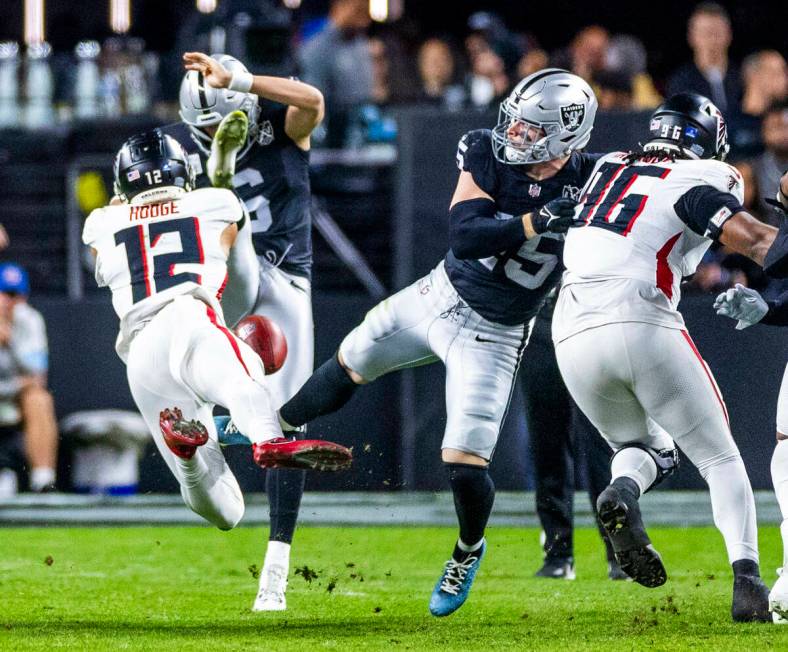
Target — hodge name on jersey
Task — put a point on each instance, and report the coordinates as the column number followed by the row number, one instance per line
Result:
column 510, row 287
column 147, row 254
column 272, row 179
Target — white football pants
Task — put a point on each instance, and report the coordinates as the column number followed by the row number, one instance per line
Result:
column 186, row 358
column 647, row 384
column 426, row 322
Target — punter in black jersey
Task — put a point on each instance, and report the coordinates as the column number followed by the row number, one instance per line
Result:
column 272, row 180
column 515, row 196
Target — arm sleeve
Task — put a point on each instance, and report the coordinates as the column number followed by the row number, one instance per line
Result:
column 474, row 231
column 704, row 209
column 778, row 311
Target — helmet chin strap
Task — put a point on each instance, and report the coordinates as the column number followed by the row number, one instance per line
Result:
column 158, row 194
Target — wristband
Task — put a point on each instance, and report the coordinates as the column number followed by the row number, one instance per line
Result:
column 241, row 81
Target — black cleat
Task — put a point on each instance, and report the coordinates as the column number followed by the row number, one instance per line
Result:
column 557, row 569
column 619, row 513
column 750, row 600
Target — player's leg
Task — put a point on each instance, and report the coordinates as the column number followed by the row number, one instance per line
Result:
column 548, row 413
column 207, row 485
column 596, row 371
column 287, row 300
column 678, row 391
column 481, row 363
column 778, row 597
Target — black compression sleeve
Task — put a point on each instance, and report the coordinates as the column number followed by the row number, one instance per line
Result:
column 705, row 209
column 474, row 231
column 776, row 262
column 778, row 311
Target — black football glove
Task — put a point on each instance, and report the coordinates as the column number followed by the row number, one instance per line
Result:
column 555, row 216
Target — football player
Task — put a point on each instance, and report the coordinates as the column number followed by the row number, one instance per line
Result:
column 646, row 220
column 750, row 308
column 474, row 311
column 162, row 251
column 272, row 180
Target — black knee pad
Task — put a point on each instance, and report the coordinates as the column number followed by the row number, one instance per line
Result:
column 666, row 459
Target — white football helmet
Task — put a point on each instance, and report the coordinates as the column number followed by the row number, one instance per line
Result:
column 202, row 105
column 549, row 114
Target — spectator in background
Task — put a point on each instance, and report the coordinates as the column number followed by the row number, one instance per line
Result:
column 338, row 61
column 765, row 78
column 626, row 54
column 436, row 68
column 25, row 402
column 613, row 90
column 586, row 54
column 710, row 73
column 532, row 61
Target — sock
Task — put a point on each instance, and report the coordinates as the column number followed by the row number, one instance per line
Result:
column 627, row 485
column 278, row 554
column 284, row 488
column 40, row 477
column 634, row 463
column 327, row 390
column 746, row 567
column 474, row 494
column 732, row 504
column 779, row 469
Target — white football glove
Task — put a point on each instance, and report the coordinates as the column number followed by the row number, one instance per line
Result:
column 743, row 304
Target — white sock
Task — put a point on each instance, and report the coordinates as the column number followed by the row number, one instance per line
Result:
column 636, row 464
column 779, row 469
column 733, row 506
column 40, row 477
column 277, row 554
column 466, row 548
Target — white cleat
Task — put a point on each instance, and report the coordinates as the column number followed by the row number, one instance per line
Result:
column 273, row 585
column 778, row 599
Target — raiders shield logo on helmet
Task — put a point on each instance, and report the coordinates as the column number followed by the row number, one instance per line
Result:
column 572, row 116
column 265, row 136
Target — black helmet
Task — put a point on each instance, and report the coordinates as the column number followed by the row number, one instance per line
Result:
column 691, row 124
column 151, row 160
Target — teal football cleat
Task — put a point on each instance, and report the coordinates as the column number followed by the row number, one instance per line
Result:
column 229, row 435
column 453, row 587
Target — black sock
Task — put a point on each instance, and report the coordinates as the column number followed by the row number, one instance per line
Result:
column 628, row 486
column 327, row 390
column 474, row 494
column 284, row 488
column 746, row 567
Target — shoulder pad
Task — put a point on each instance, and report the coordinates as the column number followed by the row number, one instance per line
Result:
column 475, row 155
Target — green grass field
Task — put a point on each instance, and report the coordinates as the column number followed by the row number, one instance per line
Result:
column 191, row 589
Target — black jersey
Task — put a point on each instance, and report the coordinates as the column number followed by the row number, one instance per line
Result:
column 272, row 179
column 510, row 287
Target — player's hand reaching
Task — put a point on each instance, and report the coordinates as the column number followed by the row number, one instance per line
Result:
column 214, row 72
column 743, row 304
column 555, row 216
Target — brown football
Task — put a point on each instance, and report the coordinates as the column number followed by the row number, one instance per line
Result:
column 266, row 339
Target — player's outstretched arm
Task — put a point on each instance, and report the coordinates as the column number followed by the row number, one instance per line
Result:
column 305, row 102
column 748, row 236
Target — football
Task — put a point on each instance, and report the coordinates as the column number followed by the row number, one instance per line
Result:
column 267, row 340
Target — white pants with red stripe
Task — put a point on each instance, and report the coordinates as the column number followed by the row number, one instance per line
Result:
column 186, row 358
column 647, row 384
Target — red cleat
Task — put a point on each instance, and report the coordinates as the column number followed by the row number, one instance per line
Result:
column 314, row 454
column 182, row 437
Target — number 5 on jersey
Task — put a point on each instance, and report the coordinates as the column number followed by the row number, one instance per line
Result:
column 153, row 271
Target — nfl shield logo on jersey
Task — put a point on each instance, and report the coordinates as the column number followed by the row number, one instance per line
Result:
column 266, row 134
column 534, row 190
column 572, row 116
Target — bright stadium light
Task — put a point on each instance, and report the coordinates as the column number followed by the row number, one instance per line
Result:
column 206, row 6
column 34, row 22
column 120, row 16
column 379, row 10
column 292, row 4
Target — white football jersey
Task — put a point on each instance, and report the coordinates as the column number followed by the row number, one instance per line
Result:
column 627, row 261
column 148, row 254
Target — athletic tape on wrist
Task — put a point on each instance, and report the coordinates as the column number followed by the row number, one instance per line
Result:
column 241, row 82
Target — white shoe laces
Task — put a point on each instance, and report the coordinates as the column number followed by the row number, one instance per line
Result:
column 455, row 573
